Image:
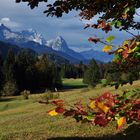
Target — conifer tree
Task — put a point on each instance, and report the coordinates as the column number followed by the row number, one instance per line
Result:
column 25, row 70
column 92, row 74
column 10, row 87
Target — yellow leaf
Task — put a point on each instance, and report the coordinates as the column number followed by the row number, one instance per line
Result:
column 120, row 50
column 92, row 105
column 120, row 122
column 126, row 42
column 107, row 48
column 103, row 107
column 133, row 50
column 52, row 112
column 138, row 43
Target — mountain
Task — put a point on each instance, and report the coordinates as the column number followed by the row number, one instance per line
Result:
column 60, row 45
column 31, row 39
column 97, row 55
column 23, row 36
column 32, row 35
column 4, row 47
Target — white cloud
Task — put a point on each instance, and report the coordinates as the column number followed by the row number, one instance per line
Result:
column 9, row 23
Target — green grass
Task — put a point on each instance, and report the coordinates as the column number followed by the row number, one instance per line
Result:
column 28, row 120
column 73, row 83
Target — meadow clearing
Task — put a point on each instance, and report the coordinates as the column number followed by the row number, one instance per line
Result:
column 27, row 119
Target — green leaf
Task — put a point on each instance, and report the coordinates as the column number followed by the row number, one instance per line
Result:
column 117, row 116
column 126, row 10
column 113, row 22
column 138, row 55
column 110, row 38
column 89, row 118
column 118, row 24
column 117, row 57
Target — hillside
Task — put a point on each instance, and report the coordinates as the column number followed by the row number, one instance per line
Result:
column 54, row 57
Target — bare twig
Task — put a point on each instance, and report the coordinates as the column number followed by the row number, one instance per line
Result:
column 131, row 33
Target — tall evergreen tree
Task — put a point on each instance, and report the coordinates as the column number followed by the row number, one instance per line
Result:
column 48, row 74
column 9, row 66
column 1, row 74
column 81, row 69
column 112, row 72
column 92, row 74
column 10, row 87
column 25, row 70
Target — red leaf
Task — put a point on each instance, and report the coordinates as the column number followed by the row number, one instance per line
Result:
column 58, row 102
column 100, row 120
column 138, row 114
column 132, row 46
column 95, row 40
column 125, row 53
column 101, row 23
column 107, row 28
column 60, row 110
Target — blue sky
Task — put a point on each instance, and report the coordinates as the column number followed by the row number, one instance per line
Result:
column 70, row 27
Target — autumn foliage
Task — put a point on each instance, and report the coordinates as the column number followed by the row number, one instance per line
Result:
column 124, row 109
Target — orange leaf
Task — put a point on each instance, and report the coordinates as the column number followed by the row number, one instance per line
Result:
column 125, row 53
column 103, row 107
column 120, row 122
column 125, row 16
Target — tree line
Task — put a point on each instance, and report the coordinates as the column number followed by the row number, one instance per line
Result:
column 27, row 71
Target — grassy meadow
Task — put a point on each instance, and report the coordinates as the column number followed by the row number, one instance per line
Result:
column 73, row 83
column 28, row 120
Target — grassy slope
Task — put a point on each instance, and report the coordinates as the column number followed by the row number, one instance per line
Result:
column 21, row 119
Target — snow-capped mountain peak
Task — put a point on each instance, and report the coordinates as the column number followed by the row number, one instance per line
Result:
column 23, row 36
column 32, row 35
column 58, row 44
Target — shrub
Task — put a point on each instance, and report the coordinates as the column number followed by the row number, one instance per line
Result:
column 45, row 97
column 104, row 82
column 25, row 94
column 9, row 88
column 51, row 95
